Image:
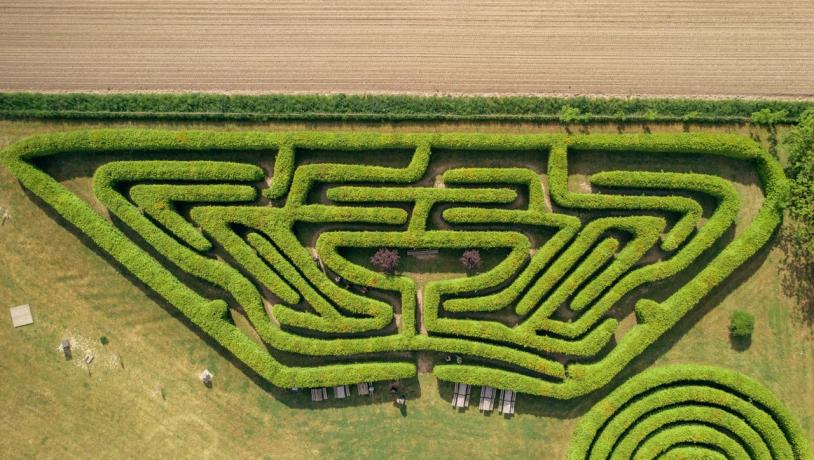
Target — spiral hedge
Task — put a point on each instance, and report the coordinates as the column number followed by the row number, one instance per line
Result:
column 689, row 411
column 187, row 201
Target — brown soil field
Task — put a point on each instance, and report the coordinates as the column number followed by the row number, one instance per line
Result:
column 659, row 48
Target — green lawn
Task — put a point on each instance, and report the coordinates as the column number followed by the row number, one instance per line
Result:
column 57, row 408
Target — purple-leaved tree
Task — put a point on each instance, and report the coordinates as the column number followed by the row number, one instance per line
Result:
column 471, row 260
column 386, row 260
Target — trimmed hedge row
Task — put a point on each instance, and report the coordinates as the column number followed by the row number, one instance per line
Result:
column 689, row 406
column 157, row 201
column 221, row 107
column 278, row 260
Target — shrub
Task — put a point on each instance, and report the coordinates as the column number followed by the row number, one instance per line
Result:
column 769, row 117
column 386, row 260
column 741, row 324
column 471, row 260
column 572, row 115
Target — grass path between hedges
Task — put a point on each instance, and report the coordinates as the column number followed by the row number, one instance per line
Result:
column 55, row 408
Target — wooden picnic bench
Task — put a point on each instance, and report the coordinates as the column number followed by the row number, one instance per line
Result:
column 364, row 388
column 487, row 399
column 319, row 394
column 341, row 392
column 507, row 399
column 460, row 395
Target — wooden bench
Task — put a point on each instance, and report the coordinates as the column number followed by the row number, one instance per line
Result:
column 423, row 252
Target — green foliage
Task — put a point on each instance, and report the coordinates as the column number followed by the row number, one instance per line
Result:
column 570, row 114
column 585, row 266
column 221, row 107
column 769, row 117
column 741, row 324
column 705, row 408
column 800, row 146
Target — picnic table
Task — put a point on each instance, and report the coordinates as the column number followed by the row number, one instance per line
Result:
column 319, row 394
column 487, row 399
column 507, row 399
column 341, row 392
column 460, row 395
column 364, row 388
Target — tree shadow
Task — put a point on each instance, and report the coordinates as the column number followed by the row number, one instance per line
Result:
column 797, row 273
column 740, row 343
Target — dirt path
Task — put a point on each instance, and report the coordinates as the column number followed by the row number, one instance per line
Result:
column 692, row 47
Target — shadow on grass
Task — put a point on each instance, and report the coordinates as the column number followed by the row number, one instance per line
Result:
column 740, row 343
column 797, row 274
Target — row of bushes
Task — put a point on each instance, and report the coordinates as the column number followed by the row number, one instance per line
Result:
column 689, row 405
column 158, row 201
column 220, row 107
column 276, row 225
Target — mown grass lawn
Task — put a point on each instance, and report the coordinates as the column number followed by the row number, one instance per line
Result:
column 141, row 395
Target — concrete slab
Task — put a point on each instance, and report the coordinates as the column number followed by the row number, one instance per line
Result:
column 21, row 315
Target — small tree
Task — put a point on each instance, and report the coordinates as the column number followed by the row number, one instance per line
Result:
column 651, row 115
column 741, row 324
column 570, row 114
column 386, row 260
column 471, row 259
column 768, row 117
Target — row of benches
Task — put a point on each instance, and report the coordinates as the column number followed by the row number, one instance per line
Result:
column 505, row 398
column 341, row 391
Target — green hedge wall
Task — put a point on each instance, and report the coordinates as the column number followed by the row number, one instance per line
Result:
column 221, row 107
column 706, row 408
column 580, row 258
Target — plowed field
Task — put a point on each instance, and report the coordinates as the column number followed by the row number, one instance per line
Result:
column 687, row 48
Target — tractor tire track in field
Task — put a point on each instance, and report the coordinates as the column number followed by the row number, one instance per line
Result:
column 660, row 48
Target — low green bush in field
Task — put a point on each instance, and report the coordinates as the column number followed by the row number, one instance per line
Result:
column 540, row 321
column 741, row 324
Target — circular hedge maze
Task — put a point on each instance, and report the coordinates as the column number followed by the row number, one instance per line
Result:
column 689, row 412
column 600, row 244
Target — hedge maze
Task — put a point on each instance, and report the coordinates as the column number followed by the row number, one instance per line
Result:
column 595, row 267
column 689, row 412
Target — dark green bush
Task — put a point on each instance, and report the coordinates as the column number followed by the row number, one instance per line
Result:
column 741, row 324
